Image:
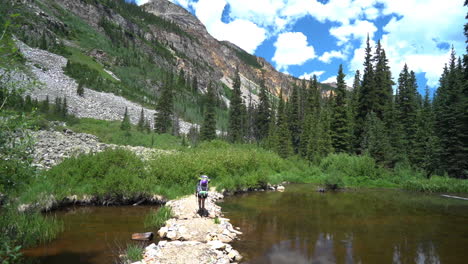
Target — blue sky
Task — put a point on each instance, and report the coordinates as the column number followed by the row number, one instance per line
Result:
column 305, row 37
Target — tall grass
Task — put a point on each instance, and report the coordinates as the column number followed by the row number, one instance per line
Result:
column 134, row 252
column 27, row 229
column 157, row 218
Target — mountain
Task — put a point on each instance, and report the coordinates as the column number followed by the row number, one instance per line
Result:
column 114, row 47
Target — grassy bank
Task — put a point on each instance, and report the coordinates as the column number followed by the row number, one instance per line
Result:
column 120, row 173
column 345, row 170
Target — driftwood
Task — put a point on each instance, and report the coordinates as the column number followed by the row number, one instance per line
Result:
column 143, row 236
column 454, row 197
column 139, row 202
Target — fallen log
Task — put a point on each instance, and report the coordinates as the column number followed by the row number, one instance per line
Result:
column 143, row 236
column 454, row 197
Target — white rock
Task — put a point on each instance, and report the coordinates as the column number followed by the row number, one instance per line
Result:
column 172, row 235
column 162, row 243
column 217, row 245
column 152, row 246
column 234, row 255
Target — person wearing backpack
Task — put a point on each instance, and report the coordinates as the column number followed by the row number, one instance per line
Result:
column 202, row 192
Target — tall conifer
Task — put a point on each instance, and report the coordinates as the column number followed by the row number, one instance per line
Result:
column 208, row 129
column 340, row 124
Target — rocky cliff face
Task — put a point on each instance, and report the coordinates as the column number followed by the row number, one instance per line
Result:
column 175, row 40
column 222, row 57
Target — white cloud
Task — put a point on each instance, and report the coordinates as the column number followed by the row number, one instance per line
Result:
column 328, row 56
column 243, row 33
column 348, row 80
column 309, row 76
column 292, row 49
column 358, row 30
column 335, row 10
column 331, row 79
column 413, row 39
column 141, row 2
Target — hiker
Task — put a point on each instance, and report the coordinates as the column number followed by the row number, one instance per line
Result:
column 202, row 192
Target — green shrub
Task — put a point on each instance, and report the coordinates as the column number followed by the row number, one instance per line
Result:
column 334, row 180
column 362, row 168
column 112, row 172
column 157, row 218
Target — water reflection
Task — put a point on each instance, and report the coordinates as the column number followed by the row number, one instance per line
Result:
column 383, row 226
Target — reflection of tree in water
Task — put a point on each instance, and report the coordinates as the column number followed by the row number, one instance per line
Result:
column 297, row 251
column 350, row 227
column 425, row 253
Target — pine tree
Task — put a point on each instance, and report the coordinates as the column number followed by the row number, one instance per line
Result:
column 406, row 109
column 64, row 110
column 376, row 143
column 125, row 125
column 45, row 105
column 383, row 84
column 263, row 116
column 235, row 128
column 353, row 106
column 294, row 118
column 367, row 95
column 341, row 137
column 195, row 85
column 164, row 108
column 312, row 118
column 58, row 106
column 283, row 145
column 425, row 141
column 80, row 89
column 320, row 141
column 141, row 121
column 272, row 139
column 28, row 105
column 450, row 112
column 208, row 129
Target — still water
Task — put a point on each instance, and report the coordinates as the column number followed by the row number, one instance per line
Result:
column 92, row 235
column 364, row 226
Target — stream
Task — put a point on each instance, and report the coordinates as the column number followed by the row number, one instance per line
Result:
column 299, row 226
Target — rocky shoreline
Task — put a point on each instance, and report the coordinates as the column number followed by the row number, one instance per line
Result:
column 192, row 239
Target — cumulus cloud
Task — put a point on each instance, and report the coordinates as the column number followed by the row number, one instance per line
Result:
column 309, row 76
column 328, row 56
column 292, row 49
column 243, row 33
column 415, row 37
column 415, row 34
column 341, row 11
column 360, row 29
